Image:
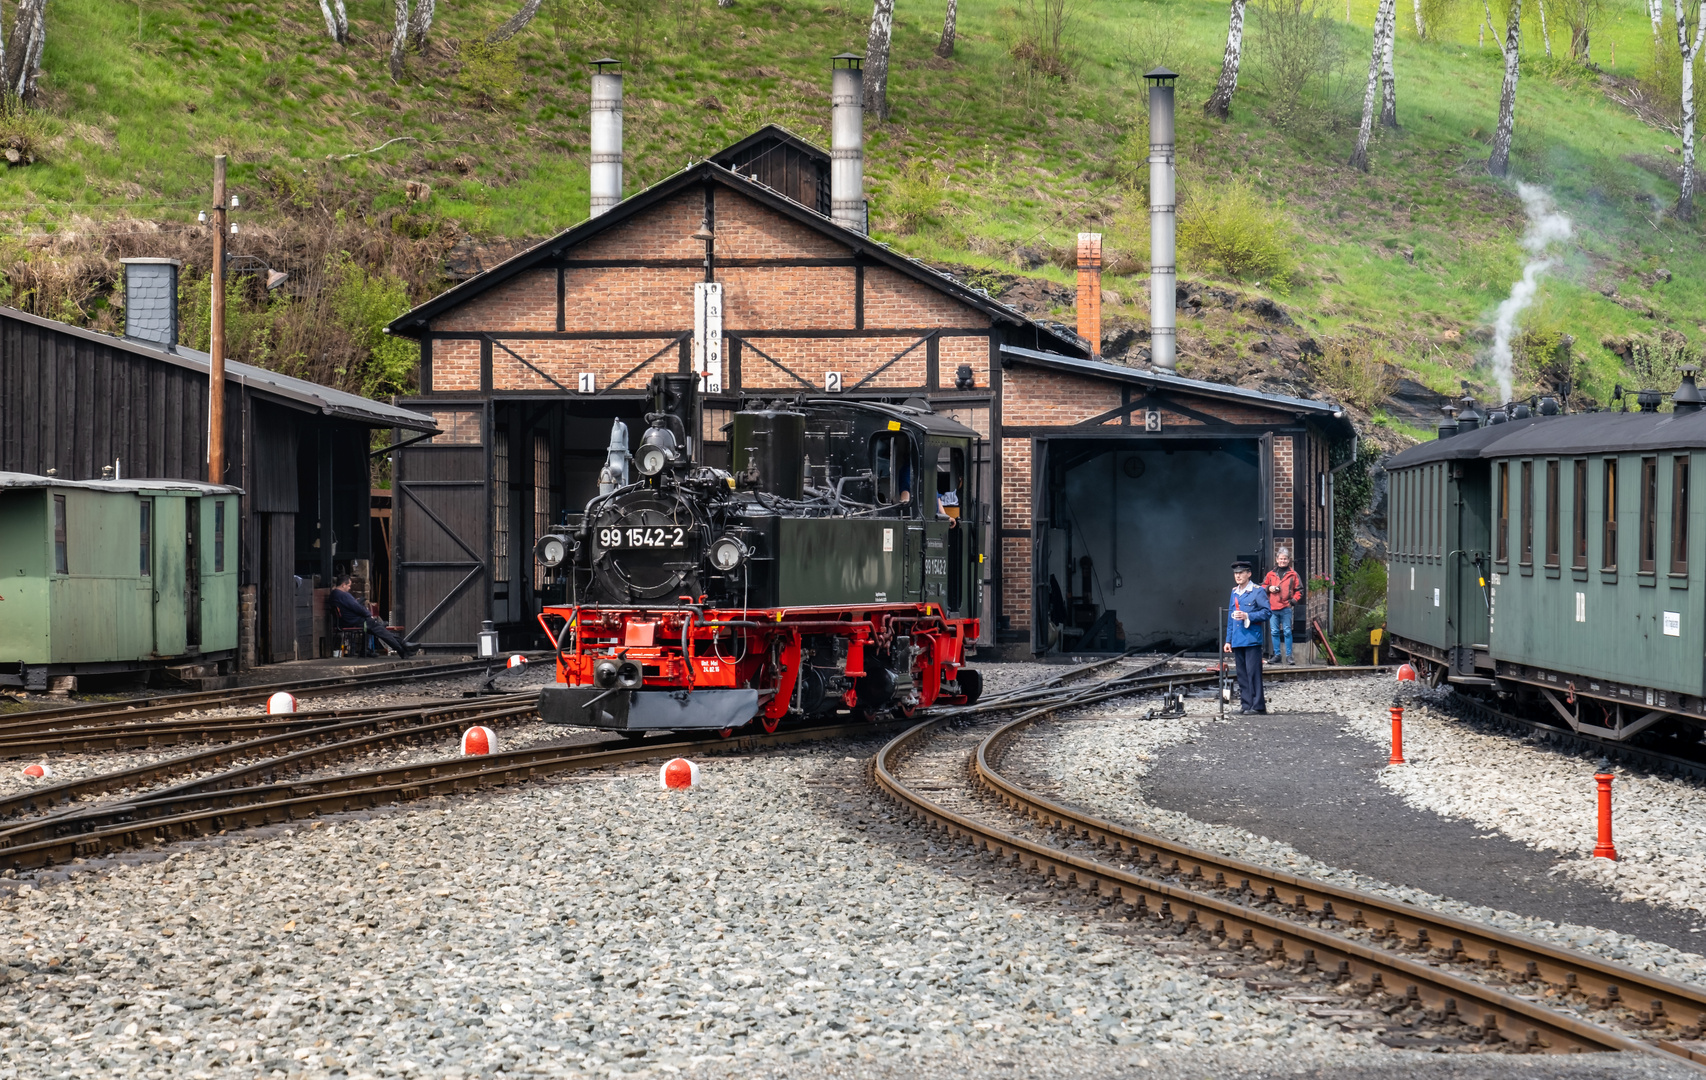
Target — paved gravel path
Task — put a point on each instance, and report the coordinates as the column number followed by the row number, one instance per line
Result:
column 1299, row 779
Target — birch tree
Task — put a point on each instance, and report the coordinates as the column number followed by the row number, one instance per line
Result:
column 945, row 47
column 1219, row 103
column 1384, row 17
column 516, row 23
column 1689, row 49
column 420, row 23
column 1656, row 12
column 23, row 55
column 877, row 59
column 1545, row 35
column 337, row 23
column 399, row 38
column 1421, row 31
column 1389, row 79
column 1499, row 164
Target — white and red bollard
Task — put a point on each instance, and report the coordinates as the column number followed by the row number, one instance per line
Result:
column 1406, row 672
column 1604, row 848
column 515, row 661
column 281, row 702
column 38, row 772
column 1397, row 757
column 479, row 740
column 678, row 773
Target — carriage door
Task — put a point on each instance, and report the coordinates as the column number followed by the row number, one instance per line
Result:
column 170, row 574
column 1473, row 537
column 441, row 512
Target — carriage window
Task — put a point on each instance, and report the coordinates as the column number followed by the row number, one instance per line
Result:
column 1527, row 550
column 1679, row 516
column 60, row 562
column 891, row 462
column 1648, row 553
column 1504, row 545
column 950, row 473
column 1608, row 552
column 1579, row 516
column 1552, row 519
column 500, row 512
column 219, row 536
column 146, row 544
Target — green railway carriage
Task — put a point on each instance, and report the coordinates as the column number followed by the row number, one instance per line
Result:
column 1592, row 550
column 103, row 576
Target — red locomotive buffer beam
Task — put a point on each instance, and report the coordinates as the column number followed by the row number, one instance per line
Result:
column 644, row 669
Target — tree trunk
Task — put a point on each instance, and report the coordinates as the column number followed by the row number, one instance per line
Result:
column 337, row 22
column 1421, row 31
column 877, row 59
column 1656, row 12
column 516, row 24
column 1499, row 164
column 1545, row 35
column 945, row 47
column 399, row 38
column 420, row 23
column 23, row 60
column 1359, row 157
column 1388, row 79
column 1685, row 199
column 1220, row 102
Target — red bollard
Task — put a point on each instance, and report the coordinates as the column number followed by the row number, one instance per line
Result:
column 1406, row 672
column 1604, row 849
column 1397, row 757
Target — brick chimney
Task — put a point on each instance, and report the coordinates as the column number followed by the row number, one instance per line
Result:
column 1090, row 291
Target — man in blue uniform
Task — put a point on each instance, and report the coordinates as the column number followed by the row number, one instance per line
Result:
column 1246, row 611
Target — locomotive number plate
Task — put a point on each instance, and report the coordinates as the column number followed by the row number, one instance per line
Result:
column 643, row 536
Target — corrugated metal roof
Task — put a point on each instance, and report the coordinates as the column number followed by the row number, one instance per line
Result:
column 1562, row 436
column 1468, row 444
column 1160, row 379
column 301, row 392
column 30, row 480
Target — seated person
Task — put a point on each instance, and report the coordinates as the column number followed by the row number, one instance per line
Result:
column 948, row 506
column 353, row 615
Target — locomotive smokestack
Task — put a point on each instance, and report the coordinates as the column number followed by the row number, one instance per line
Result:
column 1163, row 271
column 606, row 136
column 847, row 141
column 1090, row 291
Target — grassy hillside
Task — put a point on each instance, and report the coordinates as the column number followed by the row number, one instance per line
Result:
column 987, row 162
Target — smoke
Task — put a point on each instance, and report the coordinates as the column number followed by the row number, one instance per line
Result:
column 1546, row 226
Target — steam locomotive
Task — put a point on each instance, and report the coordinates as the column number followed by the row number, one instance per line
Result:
column 833, row 568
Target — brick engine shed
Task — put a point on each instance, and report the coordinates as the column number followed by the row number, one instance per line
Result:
column 525, row 366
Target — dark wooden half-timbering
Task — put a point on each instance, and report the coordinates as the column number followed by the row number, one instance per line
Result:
column 779, row 159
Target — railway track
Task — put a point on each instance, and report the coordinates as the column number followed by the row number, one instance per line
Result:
column 1413, row 965
column 104, row 712
column 1627, row 753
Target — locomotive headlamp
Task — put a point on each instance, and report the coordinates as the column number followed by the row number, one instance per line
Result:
column 552, row 550
column 657, row 450
column 727, row 553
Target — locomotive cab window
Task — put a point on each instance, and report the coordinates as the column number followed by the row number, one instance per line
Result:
column 1648, row 553
column 950, row 482
column 1504, row 541
column 892, row 465
column 1679, row 517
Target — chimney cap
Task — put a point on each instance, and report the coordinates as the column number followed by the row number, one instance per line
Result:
column 599, row 64
column 140, row 261
column 852, row 60
column 1161, row 75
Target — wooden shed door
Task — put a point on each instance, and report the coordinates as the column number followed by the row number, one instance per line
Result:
column 441, row 511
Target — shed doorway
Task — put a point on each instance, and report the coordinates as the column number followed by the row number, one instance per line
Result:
column 1134, row 537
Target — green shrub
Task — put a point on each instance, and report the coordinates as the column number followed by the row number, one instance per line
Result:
column 364, row 302
column 1358, row 370
column 491, row 74
column 917, row 196
column 22, row 132
column 1358, row 607
column 1233, row 229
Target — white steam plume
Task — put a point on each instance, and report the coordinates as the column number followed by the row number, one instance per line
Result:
column 1546, row 226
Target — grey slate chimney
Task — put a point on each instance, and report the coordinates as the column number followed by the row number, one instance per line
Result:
column 151, row 300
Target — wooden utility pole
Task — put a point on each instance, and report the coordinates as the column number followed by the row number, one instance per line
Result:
column 216, row 336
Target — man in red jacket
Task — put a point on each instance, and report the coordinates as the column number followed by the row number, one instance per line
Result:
column 1285, row 589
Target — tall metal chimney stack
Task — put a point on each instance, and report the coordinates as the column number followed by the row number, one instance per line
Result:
column 1163, row 268
column 606, row 135
column 847, row 141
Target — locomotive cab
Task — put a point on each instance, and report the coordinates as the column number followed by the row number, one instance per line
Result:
column 832, row 569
